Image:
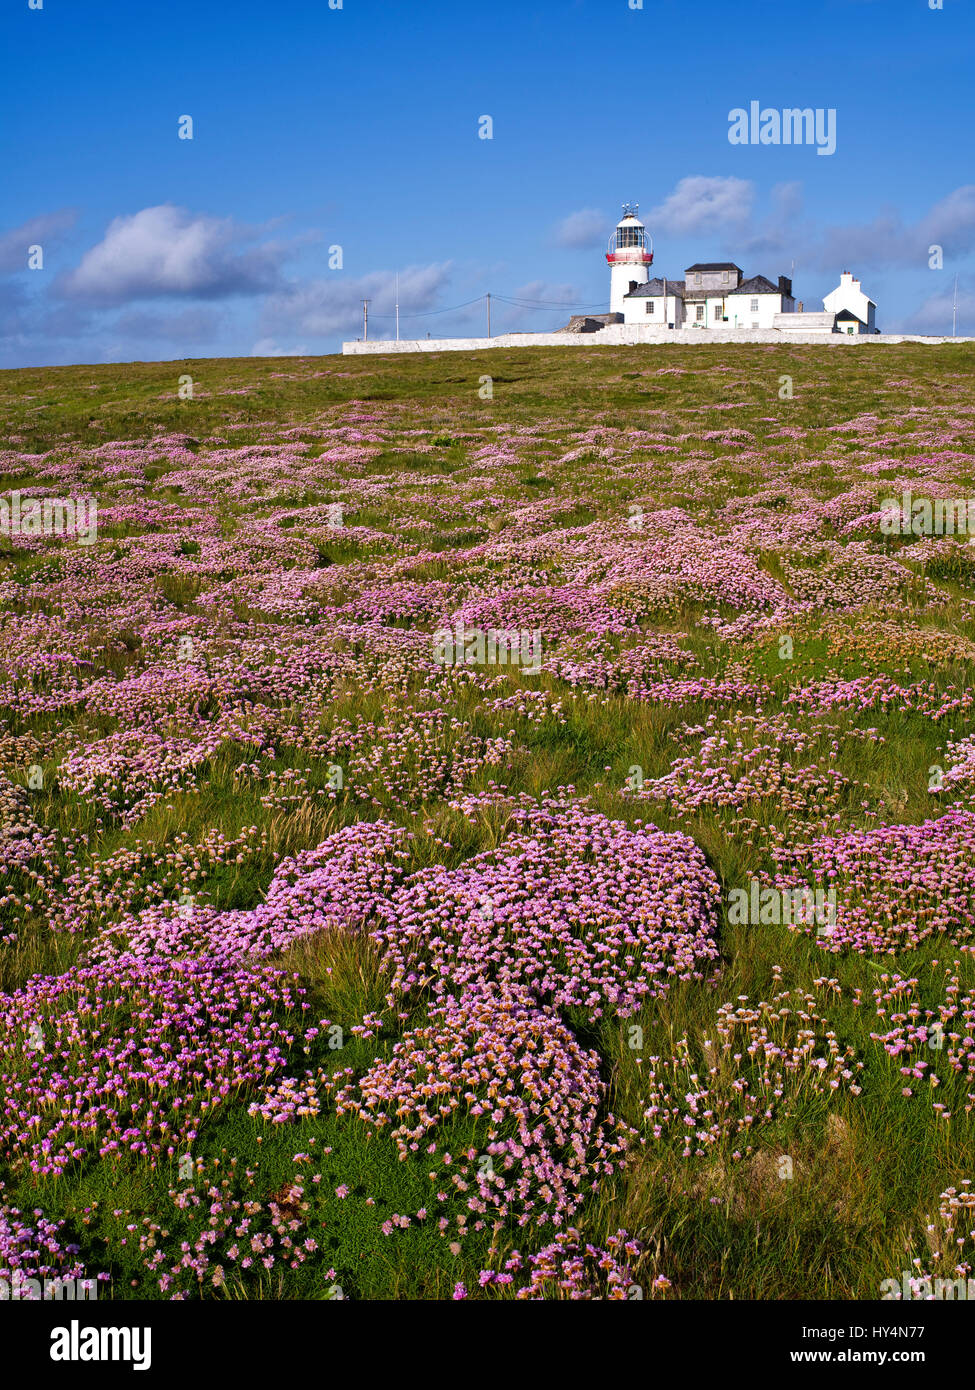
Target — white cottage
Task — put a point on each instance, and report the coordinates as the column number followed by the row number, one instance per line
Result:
column 712, row 294
column 854, row 311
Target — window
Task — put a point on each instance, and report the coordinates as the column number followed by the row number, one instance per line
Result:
column 629, row 236
column 649, row 306
column 700, row 312
column 697, row 279
column 755, row 325
column 754, row 306
column 725, row 277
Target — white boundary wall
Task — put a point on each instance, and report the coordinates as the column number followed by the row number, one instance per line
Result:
column 623, row 334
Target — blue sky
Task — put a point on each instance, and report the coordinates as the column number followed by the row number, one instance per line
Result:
column 358, row 127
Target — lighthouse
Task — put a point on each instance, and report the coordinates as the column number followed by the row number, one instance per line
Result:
column 629, row 257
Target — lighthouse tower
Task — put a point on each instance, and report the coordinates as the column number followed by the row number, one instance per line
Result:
column 629, row 257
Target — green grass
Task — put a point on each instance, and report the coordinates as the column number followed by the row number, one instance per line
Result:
column 867, row 1171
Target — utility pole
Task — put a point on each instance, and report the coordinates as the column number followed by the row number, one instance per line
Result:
column 397, row 306
column 365, row 319
column 489, row 314
column 954, row 310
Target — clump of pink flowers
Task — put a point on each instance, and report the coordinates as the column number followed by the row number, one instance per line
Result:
column 569, row 1267
column 497, row 1055
column 582, row 910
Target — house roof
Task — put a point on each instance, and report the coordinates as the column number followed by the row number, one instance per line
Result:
column 849, row 314
column 714, row 265
column 656, row 287
column 855, row 286
column 756, row 285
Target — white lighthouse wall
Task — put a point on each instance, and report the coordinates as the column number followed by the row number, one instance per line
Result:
column 620, row 276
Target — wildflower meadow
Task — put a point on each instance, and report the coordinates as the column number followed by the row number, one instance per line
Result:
column 489, row 826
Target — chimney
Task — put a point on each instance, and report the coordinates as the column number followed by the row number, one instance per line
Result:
column 785, row 286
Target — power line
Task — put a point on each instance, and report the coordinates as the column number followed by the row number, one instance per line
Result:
column 428, row 313
column 505, row 299
column 544, row 303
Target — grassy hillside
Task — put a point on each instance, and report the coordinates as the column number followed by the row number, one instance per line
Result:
column 332, row 964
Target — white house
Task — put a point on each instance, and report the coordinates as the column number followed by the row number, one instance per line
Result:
column 714, row 295
column 855, row 312
column 711, row 295
column 754, row 303
column 657, row 303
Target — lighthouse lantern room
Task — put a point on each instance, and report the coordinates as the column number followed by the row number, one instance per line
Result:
column 629, row 257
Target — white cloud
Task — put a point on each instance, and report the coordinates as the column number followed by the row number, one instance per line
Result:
column 951, row 222
column 780, row 233
column 582, row 230
column 45, row 231
column 778, row 229
column 324, row 307
column 887, row 240
column 882, row 241
column 544, row 292
column 787, row 200
column 167, row 250
column 700, row 204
